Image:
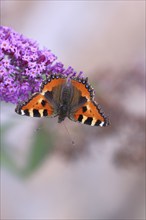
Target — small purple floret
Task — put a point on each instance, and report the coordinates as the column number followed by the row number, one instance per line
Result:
column 23, row 66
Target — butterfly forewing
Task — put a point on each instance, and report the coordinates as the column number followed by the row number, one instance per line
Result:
column 83, row 87
column 51, row 83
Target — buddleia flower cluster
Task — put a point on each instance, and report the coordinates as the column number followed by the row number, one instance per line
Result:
column 23, row 66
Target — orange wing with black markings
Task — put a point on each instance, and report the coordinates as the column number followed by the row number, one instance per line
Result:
column 38, row 105
column 84, row 87
column 89, row 112
column 62, row 97
column 52, row 82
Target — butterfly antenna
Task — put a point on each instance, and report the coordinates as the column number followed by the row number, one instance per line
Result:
column 72, row 141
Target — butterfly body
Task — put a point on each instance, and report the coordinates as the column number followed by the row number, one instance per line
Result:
column 65, row 97
column 61, row 101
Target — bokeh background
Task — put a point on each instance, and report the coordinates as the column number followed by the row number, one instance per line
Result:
column 101, row 176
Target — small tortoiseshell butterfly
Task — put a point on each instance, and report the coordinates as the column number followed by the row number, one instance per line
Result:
column 60, row 96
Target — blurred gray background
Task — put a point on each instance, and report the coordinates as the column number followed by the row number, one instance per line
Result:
column 102, row 176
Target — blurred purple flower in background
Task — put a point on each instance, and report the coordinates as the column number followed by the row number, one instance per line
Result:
column 23, row 66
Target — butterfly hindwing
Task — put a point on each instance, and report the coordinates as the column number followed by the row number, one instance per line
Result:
column 90, row 114
column 37, row 106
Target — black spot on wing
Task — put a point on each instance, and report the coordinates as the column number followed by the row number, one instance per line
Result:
column 80, row 118
column 84, row 108
column 26, row 112
column 97, row 123
column 36, row 113
column 88, row 121
column 82, row 100
column 43, row 102
column 45, row 113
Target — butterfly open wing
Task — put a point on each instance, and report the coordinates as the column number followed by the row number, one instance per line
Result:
column 37, row 106
column 90, row 114
column 81, row 104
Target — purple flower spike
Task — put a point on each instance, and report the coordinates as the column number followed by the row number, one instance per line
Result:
column 23, row 66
